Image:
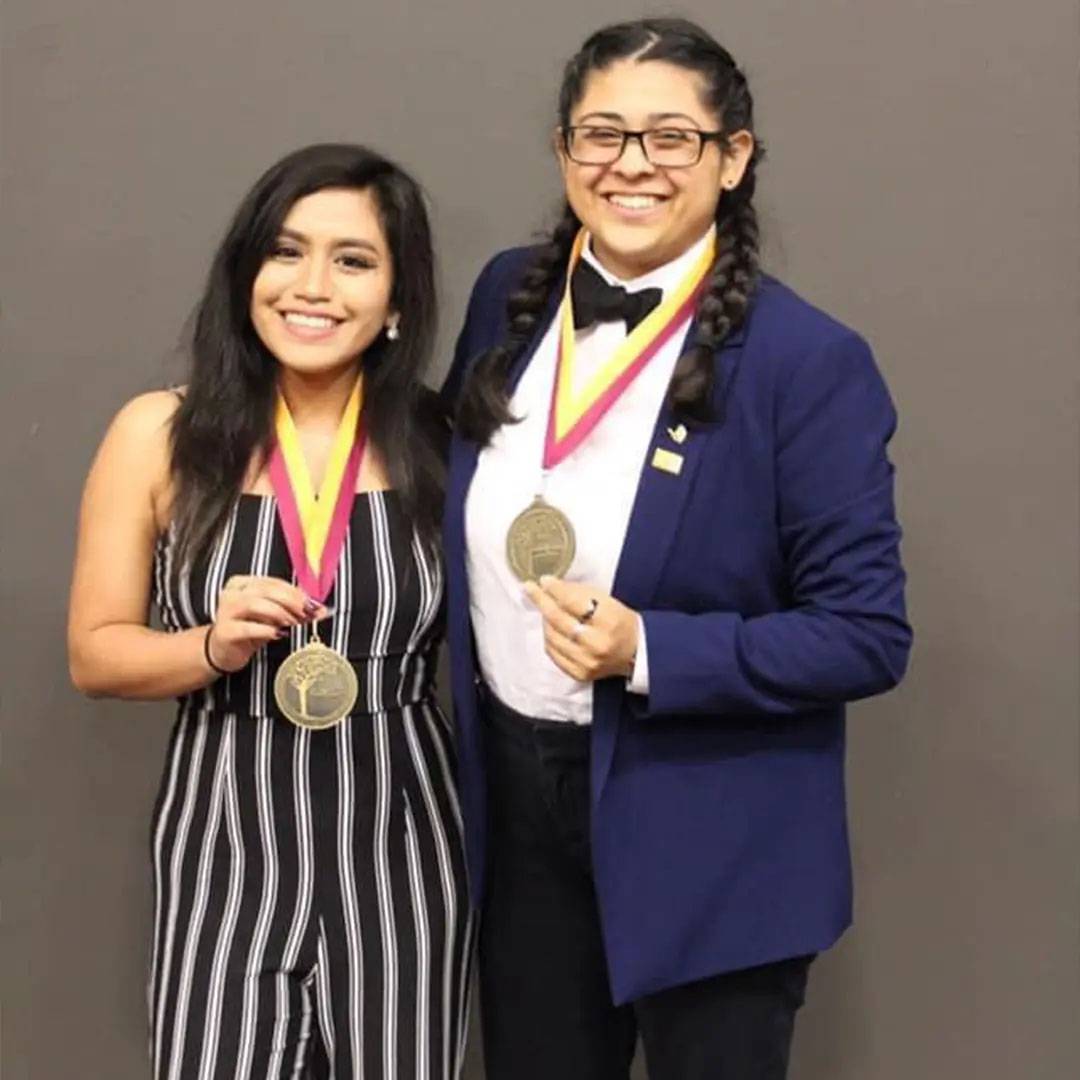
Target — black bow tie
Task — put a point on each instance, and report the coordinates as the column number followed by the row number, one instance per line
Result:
column 596, row 301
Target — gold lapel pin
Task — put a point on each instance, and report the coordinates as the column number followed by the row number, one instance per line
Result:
column 666, row 461
column 677, row 434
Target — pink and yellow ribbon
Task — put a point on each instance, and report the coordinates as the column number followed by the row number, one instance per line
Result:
column 575, row 411
column 315, row 524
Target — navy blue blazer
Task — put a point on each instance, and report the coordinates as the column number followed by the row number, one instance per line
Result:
column 769, row 580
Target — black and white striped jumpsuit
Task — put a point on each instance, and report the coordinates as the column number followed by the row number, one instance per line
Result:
column 311, row 915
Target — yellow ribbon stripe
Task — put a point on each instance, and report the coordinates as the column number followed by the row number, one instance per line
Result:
column 317, row 511
column 570, row 407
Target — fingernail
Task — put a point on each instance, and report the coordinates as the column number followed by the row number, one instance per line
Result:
column 546, row 580
column 310, row 606
column 283, row 631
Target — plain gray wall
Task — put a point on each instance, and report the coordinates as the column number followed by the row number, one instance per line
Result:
column 922, row 185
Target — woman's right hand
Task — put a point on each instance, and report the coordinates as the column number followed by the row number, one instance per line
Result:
column 253, row 611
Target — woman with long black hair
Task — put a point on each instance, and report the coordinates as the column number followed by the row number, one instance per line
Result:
column 672, row 559
column 283, row 512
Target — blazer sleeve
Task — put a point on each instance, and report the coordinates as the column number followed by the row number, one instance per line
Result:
column 845, row 634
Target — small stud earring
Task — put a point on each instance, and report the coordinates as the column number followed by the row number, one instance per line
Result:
column 392, row 331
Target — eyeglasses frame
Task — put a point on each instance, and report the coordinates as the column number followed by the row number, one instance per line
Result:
column 706, row 137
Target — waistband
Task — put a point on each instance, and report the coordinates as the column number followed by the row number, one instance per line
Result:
column 499, row 714
column 232, row 705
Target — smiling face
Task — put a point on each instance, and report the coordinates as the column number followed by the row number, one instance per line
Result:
column 640, row 215
column 322, row 295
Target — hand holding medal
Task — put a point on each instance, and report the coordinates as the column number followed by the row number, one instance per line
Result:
column 252, row 612
column 588, row 634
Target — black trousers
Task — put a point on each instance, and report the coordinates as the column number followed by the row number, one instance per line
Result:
column 546, row 1000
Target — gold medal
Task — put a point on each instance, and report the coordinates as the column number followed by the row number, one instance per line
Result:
column 540, row 541
column 315, row 687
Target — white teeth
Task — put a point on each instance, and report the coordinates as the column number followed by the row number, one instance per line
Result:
column 635, row 202
column 315, row 322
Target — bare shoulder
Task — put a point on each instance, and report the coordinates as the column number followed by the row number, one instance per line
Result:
column 148, row 416
column 136, row 450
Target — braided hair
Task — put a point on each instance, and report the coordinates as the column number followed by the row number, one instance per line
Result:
column 723, row 304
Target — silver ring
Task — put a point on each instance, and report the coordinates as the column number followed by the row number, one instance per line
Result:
column 593, row 605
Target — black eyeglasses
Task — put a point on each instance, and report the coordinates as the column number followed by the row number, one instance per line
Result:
column 676, row 148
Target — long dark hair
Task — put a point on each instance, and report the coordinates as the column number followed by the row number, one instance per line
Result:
column 226, row 415
column 484, row 404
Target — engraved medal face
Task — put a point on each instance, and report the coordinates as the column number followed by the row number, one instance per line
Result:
column 540, row 540
column 315, row 687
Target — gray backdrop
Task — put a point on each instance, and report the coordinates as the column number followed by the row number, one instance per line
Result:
column 922, row 185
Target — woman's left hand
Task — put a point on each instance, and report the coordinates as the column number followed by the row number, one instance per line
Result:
column 589, row 634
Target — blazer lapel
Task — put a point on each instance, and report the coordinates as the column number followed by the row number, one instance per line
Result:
column 658, row 506
column 655, row 518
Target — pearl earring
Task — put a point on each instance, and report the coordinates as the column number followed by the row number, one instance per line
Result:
column 392, row 331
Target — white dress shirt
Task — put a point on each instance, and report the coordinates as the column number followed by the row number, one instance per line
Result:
column 594, row 487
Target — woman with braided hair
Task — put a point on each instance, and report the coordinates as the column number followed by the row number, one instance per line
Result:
column 672, row 560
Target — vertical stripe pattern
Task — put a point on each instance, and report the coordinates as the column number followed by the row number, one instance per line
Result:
column 310, row 909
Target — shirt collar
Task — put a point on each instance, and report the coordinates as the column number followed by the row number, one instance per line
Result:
column 663, row 277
